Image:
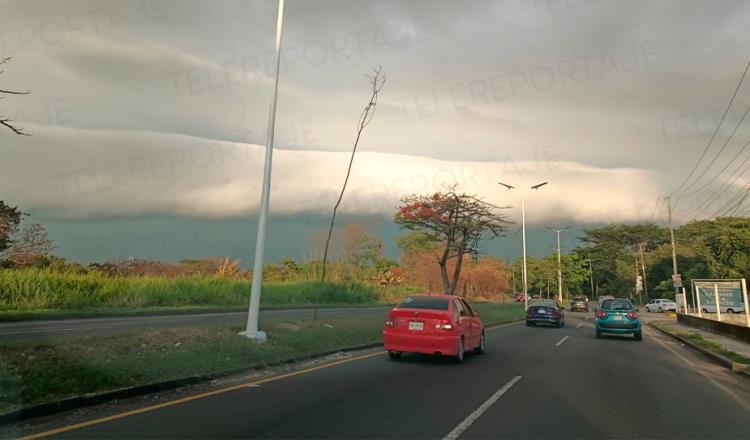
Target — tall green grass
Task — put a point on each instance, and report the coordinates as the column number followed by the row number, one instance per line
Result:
column 42, row 289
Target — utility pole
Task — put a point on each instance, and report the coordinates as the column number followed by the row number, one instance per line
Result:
column 251, row 331
column 641, row 248
column 591, row 277
column 513, row 268
column 559, row 262
column 675, row 274
column 638, row 279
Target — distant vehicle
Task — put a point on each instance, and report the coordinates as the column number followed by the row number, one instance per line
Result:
column 661, row 305
column 518, row 297
column 602, row 298
column 535, row 297
column 618, row 316
column 433, row 324
column 579, row 304
column 545, row 311
column 725, row 308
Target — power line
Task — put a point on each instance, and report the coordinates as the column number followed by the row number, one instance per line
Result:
column 718, row 153
column 712, row 198
column 708, row 145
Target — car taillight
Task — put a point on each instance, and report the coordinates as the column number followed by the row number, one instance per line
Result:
column 390, row 322
column 633, row 315
column 444, row 325
column 601, row 314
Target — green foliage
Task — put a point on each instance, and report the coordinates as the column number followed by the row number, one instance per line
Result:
column 44, row 289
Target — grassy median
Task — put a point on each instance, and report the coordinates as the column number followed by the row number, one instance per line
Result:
column 33, row 373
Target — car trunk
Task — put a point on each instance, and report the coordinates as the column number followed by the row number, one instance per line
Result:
column 543, row 311
column 408, row 320
column 618, row 319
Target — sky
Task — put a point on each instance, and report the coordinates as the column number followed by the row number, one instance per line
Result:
column 149, row 117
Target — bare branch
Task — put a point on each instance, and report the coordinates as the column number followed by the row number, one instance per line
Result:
column 9, row 124
column 375, row 82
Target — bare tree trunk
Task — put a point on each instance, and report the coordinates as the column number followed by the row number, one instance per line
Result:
column 376, row 82
column 444, row 269
column 457, row 272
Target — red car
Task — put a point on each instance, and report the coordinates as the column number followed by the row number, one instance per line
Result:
column 433, row 324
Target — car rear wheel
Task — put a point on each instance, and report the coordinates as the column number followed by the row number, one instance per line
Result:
column 460, row 353
column 730, row 310
column 661, row 310
column 481, row 347
column 394, row 354
column 705, row 310
column 529, row 324
column 638, row 336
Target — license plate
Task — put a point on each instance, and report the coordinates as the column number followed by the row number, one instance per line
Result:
column 617, row 318
column 416, row 325
column 542, row 311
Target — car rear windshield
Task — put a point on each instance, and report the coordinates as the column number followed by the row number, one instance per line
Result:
column 617, row 304
column 424, row 302
column 579, row 298
column 543, row 303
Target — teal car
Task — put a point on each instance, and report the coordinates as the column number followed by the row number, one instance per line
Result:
column 619, row 317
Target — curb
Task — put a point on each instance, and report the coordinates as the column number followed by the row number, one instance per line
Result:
column 716, row 357
column 46, row 409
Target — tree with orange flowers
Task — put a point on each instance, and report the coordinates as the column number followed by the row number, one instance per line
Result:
column 455, row 222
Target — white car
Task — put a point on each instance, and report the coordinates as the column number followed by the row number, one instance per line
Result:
column 711, row 308
column 661, row 305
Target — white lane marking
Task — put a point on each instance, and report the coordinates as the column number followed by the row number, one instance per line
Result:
column 559, row 343
column 579, row 325
column 463, row 426
column 55, row 329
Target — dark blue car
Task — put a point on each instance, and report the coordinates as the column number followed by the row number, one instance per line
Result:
column 618, row 316
column 545, row 311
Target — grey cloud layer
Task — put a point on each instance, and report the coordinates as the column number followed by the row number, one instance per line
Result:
column 622, row 95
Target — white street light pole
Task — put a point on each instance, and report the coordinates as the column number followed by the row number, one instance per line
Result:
column 559, row 263
column 523, row 235
column 252, row 331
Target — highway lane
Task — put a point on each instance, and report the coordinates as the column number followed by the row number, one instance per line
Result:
column 44, row 330
column 546, row 382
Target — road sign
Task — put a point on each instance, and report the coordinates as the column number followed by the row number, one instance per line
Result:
column 676, row 280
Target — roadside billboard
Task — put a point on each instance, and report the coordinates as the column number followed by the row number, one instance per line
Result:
column 730, row 293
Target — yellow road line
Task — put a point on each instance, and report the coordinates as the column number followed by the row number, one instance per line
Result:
column 194, row 397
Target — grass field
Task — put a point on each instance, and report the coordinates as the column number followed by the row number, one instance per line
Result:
column 34, row 290
column 33, row 373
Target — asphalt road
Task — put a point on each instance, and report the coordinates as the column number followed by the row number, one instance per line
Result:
column 44, row 330
column 532, row 383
